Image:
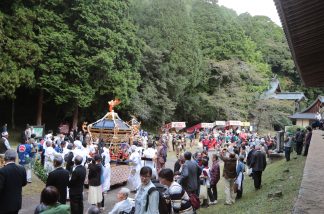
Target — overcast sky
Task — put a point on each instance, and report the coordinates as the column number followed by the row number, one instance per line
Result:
column 254, row 7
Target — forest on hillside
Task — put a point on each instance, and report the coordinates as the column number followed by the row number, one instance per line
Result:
column 167, row 60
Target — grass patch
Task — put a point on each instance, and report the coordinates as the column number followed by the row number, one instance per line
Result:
column 34, row 188
column 273, row 179
column 40, row 172
column 38, row 177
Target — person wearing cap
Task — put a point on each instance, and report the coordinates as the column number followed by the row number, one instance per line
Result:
column 123, row 204
column 258, row 165
column 94, row 177
column 59, row 178
column 12, row 178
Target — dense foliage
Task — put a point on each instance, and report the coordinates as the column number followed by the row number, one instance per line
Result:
column 166, row 60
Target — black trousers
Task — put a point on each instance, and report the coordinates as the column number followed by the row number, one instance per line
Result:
column 76, row 204
column 103, row 200
column 210, row 195
column 306, row 149
column 299, row 148
column 214, row 191
column 240, row 192
column 257, row 179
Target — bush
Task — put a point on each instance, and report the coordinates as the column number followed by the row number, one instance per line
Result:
column 293, row 129
column 39, row 171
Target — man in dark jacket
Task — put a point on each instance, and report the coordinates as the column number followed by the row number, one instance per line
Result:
column 59, row 178
column 258, row 165
column 249, row 156
column 76, row 186
column 299, row 137
column 12, row 178
column 308, row 140
column 189, row 178
column 229, row 173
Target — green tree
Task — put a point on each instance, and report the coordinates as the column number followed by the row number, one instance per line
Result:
column 19, row 54
column 106, row 47
column 171, row 61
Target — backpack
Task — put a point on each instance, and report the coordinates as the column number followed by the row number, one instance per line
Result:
column 194, row 200
column 164, row 207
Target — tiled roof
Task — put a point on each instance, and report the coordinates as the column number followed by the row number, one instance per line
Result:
column 311, row 116
column 319, row 98
column 288, row 96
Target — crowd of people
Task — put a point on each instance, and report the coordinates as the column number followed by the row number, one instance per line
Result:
column 72, row 162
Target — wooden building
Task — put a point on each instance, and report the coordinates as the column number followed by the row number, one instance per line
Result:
column 307, row 116
column 303, row 23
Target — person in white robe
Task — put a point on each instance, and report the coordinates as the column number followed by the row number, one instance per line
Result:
column 50, row 153
column 107, row 171
column 135, row 162
column 150, row 153
column 79, row 149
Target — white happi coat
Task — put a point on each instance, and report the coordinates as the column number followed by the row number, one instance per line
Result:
column 50, row 153
column 150, row 153
column 134, row 177
column 107, row 170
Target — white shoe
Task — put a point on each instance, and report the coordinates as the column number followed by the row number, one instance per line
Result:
column 212, row 203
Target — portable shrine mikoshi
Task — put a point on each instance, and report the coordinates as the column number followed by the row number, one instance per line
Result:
column 115, row 134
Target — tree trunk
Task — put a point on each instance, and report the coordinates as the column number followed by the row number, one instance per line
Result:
column 13, row 125
column 163, row 117
column 40, row 107
column 75, row 117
